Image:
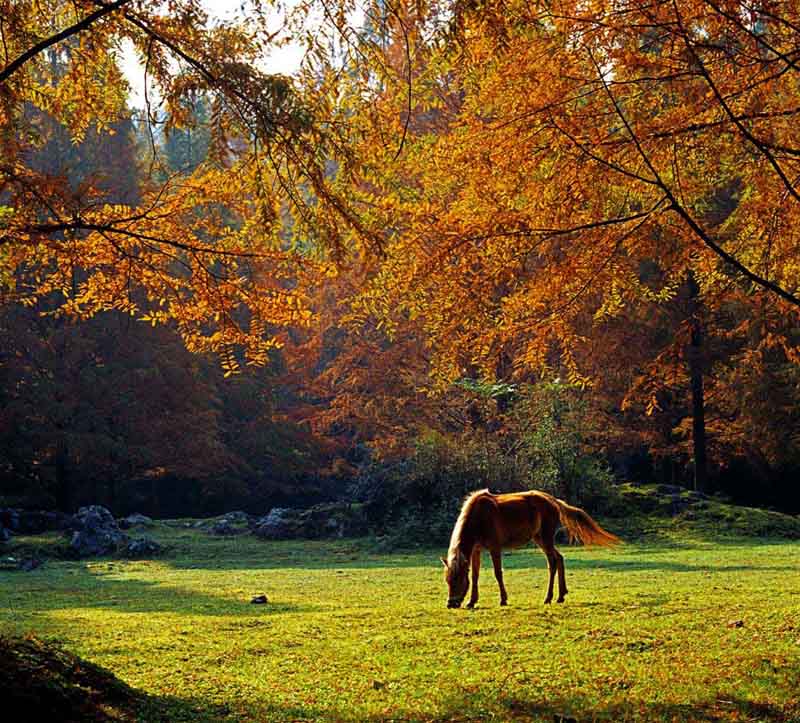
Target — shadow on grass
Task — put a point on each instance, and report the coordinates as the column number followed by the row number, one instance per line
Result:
column 166, row 709
column 90, row 592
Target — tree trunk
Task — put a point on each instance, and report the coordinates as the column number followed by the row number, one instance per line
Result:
column 63, row 491
column 695, row 358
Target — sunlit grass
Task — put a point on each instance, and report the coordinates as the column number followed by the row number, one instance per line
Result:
column 648, row 632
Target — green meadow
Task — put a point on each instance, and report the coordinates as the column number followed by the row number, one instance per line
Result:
column 680, row 628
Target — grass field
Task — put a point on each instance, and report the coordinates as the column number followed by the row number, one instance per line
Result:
column 673, row 630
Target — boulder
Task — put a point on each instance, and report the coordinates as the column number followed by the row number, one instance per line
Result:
column 142, row 547
column 335, row 519
column 135, row 520
column 282, row 523
column 32, row 522
column 236, row 518
column 223, row 528
column 95, row 532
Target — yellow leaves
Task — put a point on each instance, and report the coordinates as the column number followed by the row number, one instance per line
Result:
column 155, row 317
column 652, row 406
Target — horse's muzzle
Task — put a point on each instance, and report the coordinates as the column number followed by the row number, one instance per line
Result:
column 453, row 603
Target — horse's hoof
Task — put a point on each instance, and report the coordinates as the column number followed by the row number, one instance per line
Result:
column 548, row 600
column 504, row 602
column 560, row 600
column 470, row 605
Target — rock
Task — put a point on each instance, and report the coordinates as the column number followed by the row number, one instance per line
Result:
column 135, row 520
column 143, row 547
column 336, row 519
column 32, row 522
column 678, row 504
column 223, row 527
column 281, row 523
column 259, row 600
column 23, row 564
column 95, row 532
column 30, row 563
column 237, row 517
column 231, row 523
column 735, row 623
column 94, row 516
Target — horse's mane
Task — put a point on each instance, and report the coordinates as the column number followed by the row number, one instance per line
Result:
column 453, row 559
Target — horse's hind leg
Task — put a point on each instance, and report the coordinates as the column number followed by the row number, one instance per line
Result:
column 497, row 561
column 562, row 576
column 546, row 543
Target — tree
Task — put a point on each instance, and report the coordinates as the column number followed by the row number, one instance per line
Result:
column 213, row 250
column 566, row 162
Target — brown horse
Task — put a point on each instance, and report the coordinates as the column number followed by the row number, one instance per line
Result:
column 496, row 522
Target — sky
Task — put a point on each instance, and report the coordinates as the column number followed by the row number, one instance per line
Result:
column 284, row 60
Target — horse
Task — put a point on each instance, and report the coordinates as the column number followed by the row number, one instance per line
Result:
column 496, row 522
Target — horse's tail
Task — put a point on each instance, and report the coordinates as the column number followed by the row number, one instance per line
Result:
column 580, row 526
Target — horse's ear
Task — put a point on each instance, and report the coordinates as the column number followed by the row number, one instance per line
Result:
column 444, row 562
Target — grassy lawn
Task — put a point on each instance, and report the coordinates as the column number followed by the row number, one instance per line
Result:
column 672, row 630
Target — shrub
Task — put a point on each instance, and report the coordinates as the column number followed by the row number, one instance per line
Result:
column 539, row 441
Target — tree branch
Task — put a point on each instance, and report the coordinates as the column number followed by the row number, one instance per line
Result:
column 42, row 45
column 681, row 210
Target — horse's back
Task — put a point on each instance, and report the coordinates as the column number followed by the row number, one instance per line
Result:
column 518, row 516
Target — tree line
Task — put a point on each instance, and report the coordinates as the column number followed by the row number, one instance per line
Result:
column 451, row 211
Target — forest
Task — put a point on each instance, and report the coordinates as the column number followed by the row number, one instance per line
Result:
column 294, row 292
column 464, row 244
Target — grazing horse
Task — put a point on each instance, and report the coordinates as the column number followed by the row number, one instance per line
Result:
column 496, row 522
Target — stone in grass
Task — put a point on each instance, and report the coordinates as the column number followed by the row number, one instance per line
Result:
column 30, row 563
column 143, row 547
column 259, row 600
column 223, row 528
column 735, row 623
column 23, row 564
column 135, row 520
column 96, row 532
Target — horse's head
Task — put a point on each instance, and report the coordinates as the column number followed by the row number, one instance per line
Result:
column 456, row 573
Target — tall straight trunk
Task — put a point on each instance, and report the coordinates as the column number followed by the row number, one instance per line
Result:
column 63, row 491
column 695, row 359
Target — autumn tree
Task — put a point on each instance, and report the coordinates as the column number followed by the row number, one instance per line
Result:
column 566, row 162
column 213, row 249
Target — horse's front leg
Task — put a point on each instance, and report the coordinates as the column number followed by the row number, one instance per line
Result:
column 476, row 568
column 497, row 561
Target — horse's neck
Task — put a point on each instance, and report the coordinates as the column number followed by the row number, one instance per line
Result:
column 466, row 542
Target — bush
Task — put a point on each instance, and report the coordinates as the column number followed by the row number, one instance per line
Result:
column 538, row 442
